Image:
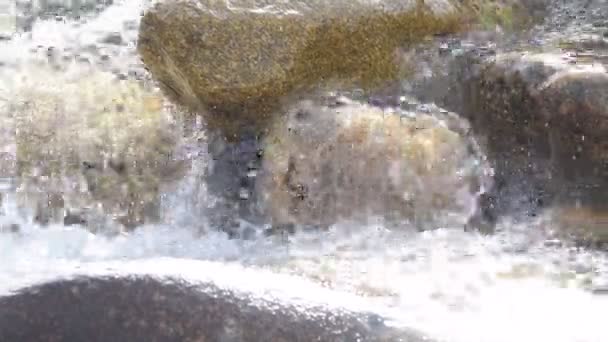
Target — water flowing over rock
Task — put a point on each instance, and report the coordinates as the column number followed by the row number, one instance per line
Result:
column 239, row 60
column 544, row 116
column 149, row 309
column 324, row 163
column 87, row 144
column 24, row 13
column 539, row 103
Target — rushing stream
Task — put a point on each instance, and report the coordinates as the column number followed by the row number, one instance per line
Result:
column 516, row 285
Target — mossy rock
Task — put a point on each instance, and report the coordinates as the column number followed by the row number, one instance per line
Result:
column 88, row 141
column 353, row 162
column 239, row 61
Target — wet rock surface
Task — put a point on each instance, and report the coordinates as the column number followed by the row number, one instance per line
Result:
column 149, row 309
column 81, row 153
column 231, row 177
column 245, row 59
column 345, row 160
column 539, row 103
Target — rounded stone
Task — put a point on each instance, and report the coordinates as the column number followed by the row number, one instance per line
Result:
column 354, row 162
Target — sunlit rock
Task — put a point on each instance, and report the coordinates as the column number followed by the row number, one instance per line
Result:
column 239, row 60
column 88, row 144
column 347, row 161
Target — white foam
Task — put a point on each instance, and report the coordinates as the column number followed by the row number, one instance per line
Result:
column 448, row 284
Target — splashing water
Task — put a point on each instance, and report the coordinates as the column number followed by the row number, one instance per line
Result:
column 512, row 286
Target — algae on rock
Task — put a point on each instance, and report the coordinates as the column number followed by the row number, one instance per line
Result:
column 238, row 60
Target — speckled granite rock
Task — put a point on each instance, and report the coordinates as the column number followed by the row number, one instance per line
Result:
column 576, row 105
column 239, row 62
column 148, row 309
column 347, row 161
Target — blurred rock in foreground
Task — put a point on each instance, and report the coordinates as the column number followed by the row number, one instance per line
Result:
column 149, row 309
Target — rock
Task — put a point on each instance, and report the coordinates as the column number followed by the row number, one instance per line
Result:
column 87, row 143
column 230, row 178
column 238, row 61
column 149, row 309
column 576, row 105
column 347, row 161
column 585, row 225
column 543, row 118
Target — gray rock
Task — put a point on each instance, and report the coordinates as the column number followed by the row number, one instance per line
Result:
column 149, row 309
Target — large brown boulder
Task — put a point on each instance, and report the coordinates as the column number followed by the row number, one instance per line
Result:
column 544, row 120
column 575, row 103
column 239, row 59
column 500, row 99
column 547, row 114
